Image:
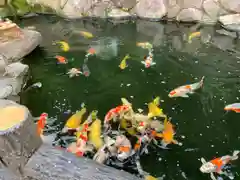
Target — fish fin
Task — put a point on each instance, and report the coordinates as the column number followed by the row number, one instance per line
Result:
column 212, row 176
column 184, row 95
column 154, row 110
column 236, row 110
column 191, row 92
column 235, row 155
column 143, row 62
column 203, row 160
column 125, row 102
column 153, row 63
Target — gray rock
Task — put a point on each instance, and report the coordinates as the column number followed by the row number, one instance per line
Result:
column 172, row 11
column 208, row 20
column 118, row 14
column 231, row 22
column 212, row 9
column 189, row 15
column 51, row 164
column 231, row 5
column 16, row 69
column 227, row 33
column 151, row 9
column 223, row 42
column 100, row 9
column 191, row 4
column 17, row 49
column 125, row 3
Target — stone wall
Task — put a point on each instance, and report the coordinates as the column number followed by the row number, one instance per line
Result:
column 204, row 11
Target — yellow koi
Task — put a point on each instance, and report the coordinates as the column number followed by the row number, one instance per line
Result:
column 148, row 177
column 95, row 133
column 63, row 45
column 74, row 121
column 154, row 110
column 86, row 34
column 144, row 45
column 123, row 63
column 192, row 35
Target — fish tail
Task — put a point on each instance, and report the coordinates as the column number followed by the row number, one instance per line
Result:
column 202, row 80
column 235, row 155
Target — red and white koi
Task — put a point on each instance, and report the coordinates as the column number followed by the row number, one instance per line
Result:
column 217, row 165
column 115, row 112
column 233, row 107
column 183, row 91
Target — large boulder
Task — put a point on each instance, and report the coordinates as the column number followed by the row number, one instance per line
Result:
column 16, row 49
column 231, row 5
column 190, row 15
column 151, row 9
column 231, row 21
column 51, row 164
column 191, row 4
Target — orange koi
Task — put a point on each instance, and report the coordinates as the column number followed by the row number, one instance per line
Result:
column 41, row 123
column 61, row 60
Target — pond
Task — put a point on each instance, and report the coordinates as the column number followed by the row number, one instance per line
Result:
column 202, row 125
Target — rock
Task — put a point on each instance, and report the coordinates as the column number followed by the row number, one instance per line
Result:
column 230, row 19
column 185, row 4
column 3, row 63
column 51, row 164
column 212, row 9
column 231, row 5
column 99, row 10
column 17, row 49
column 208, row 20
column 227, row 33
column 172, row 11
column 16, row 69
column 189, row 15
column 231, row 22
column 118, row 14
column 18, row 137
column 124, row 3
column 151, row 9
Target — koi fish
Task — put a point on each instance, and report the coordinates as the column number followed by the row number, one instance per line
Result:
column 115, row 112
column 167, row 135
column 61, row 60
column 233, row 107
column 63, row 45
column 74, row 72
column 74, row 121
column 217, row 165
column 86, row 34
column 41, row 123
column 91, row 51
column 184, row 90
column 144, row 45
column 123, row 63
column 95, row 133
column 148, row 61
column 85, row 69
column 192, row 35
column 149, row 177
column 125, row 125
column 154, row 110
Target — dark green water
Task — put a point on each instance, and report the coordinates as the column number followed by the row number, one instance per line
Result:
column 209, row 132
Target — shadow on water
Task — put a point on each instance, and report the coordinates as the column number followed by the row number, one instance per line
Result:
column 209, row 132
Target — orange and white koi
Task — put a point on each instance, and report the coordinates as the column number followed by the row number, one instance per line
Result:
column 233, row 107
column 115, row 112
column 217, row 165
column 183, row 91
column 41, row 123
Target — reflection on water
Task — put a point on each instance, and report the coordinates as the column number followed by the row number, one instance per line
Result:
column 208, row 130
column 106, row 48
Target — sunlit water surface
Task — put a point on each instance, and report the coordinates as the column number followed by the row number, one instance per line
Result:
column 209, row 132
